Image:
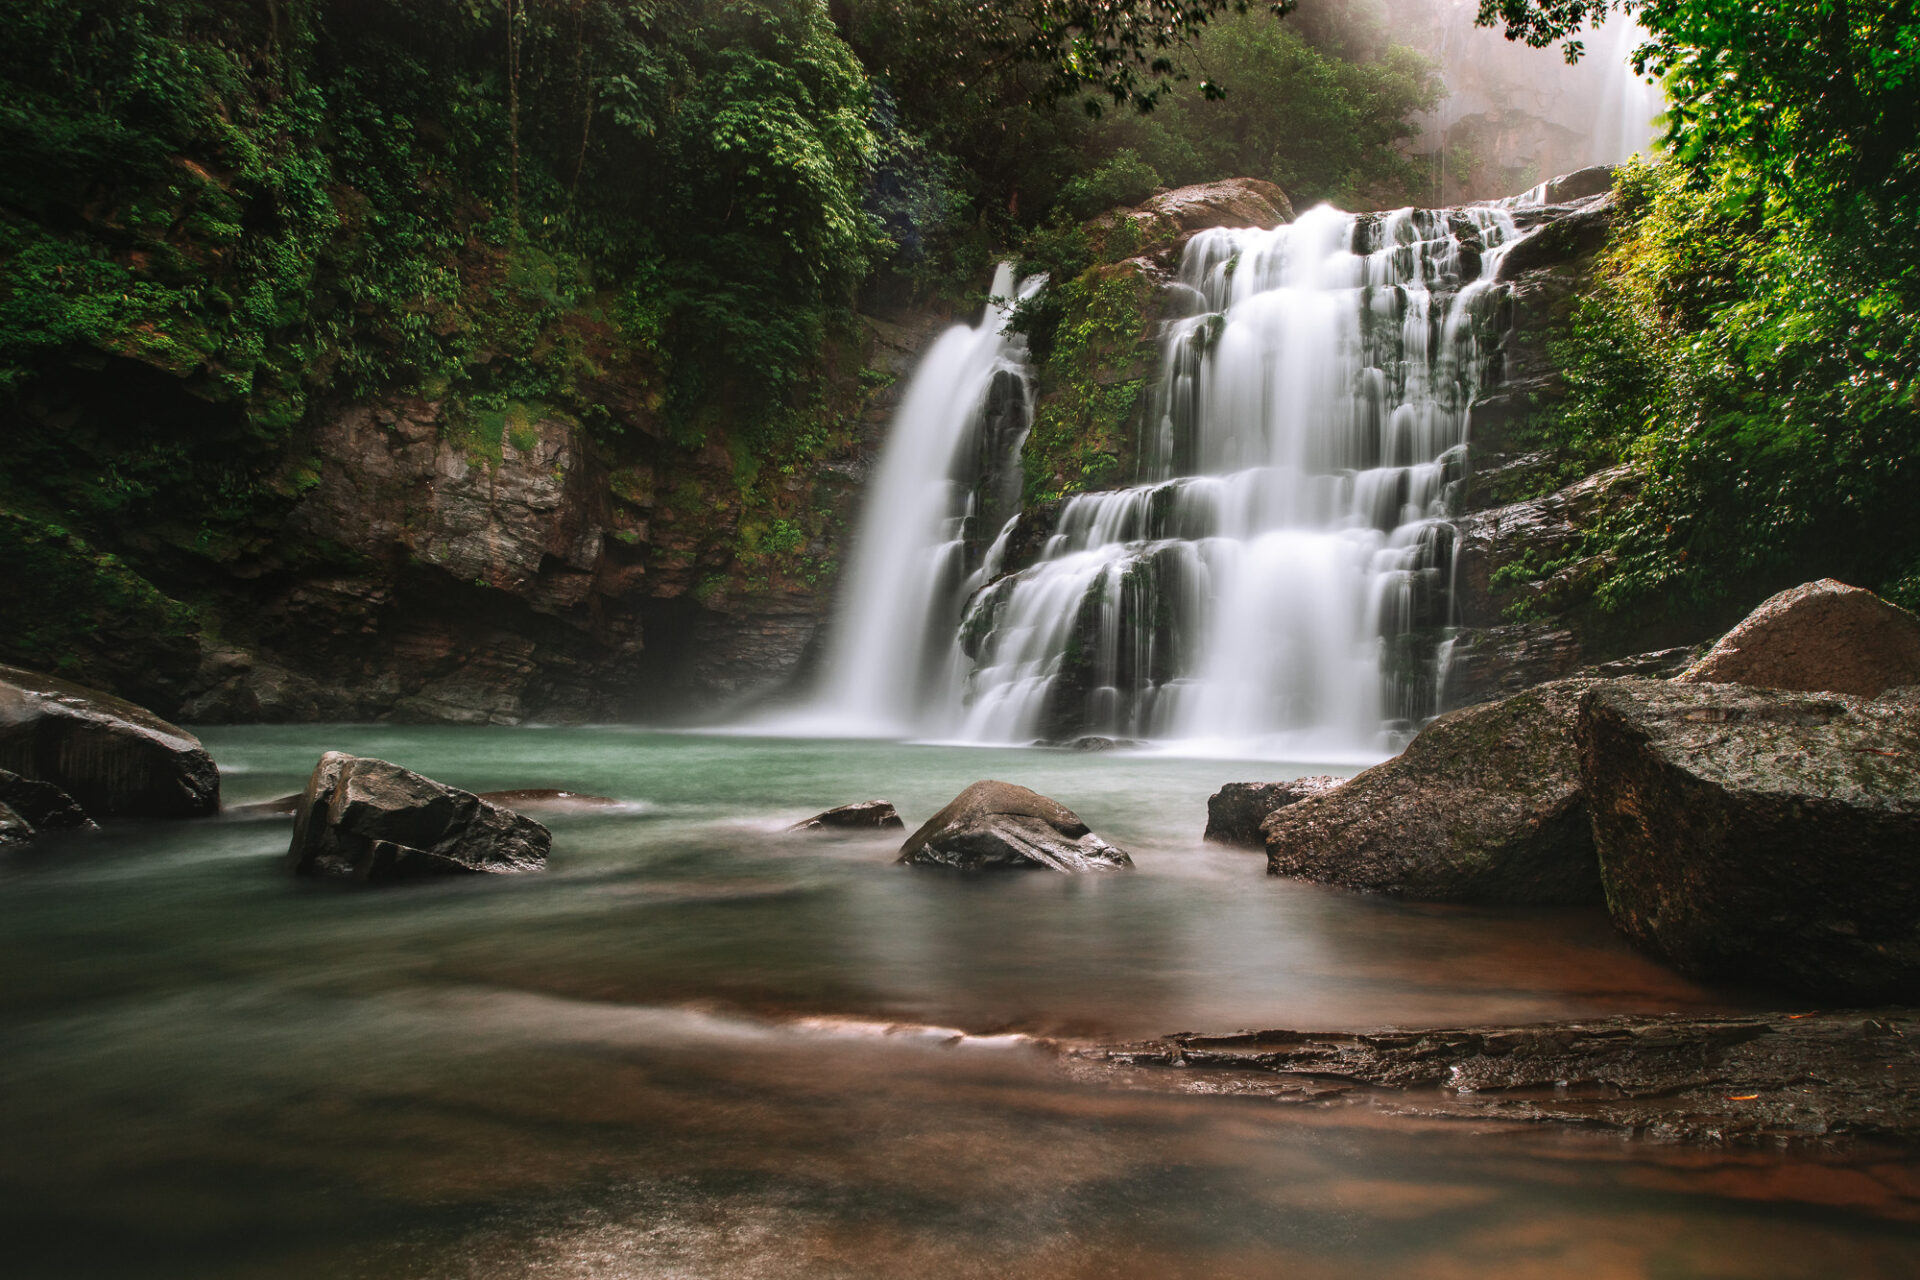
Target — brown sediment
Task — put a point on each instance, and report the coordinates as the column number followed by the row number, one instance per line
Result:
column 1816, row 1078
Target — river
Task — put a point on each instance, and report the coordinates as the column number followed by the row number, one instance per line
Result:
column 698, row 1047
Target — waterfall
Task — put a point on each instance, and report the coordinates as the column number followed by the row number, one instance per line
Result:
column 946, row 485
column 1279, row 582
column 1278, row 579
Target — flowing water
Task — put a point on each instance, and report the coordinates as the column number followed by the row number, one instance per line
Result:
column 1278, row 583
column 694, row 1047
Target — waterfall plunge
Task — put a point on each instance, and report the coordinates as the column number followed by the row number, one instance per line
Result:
column 1278, row 582
column 893, row 666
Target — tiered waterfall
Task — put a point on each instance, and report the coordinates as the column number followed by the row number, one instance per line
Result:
column 1278, row 579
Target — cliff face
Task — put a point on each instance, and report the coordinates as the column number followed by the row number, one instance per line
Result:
column 414, row 564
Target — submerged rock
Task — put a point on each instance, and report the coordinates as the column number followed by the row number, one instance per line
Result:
column 112, row 757
column 1761, row 836
column 41, row 805
column 372, row 820
column 1235, row 811
column 1001, row 826
column 1776, row 1079
column 549, row 800
column 1484, row 806
column 865, row 815
column 1821, row 636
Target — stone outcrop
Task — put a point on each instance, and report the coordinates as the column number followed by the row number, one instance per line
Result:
column 1001, row 826
column 1483, row 806
column 1235, row 811
column 1821, row 636
column 864, row 815
column 114, row 758
column 1759, row 836
column 371, row 820
column 1232, row 202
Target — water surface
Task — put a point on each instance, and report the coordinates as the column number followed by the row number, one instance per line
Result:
column 696, row 1047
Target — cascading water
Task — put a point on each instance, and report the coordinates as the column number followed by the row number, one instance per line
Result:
column 1280, row 580
column 947, row 483
column 1277, row 582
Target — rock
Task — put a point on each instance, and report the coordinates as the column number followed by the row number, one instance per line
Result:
column 41, row 804
column 14, row 829
column 112, row 757
column 1822, row 636
column 1761, row 836
column 1235, row 811
column 1233, row 202
column 865, row 815
column 1802, row 1078
column 371, row 820
column 1483, row 806
column 1001, row 826
column 1596, row 180
column 548, row 800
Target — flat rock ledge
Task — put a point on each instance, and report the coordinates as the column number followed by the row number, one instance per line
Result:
column 1001, row 826
column 371, row 820
column 1812, row 1079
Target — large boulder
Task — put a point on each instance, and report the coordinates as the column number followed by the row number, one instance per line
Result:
column 1761, row 836
column 114, row 758
column 863, row 815
column 1235, row 811
column 370, row 820
column 1821, row 636
column 1483, row 806
column 1231, row 202
column 1001, row 826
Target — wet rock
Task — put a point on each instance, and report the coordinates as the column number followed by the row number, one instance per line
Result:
column 1483, row 806
column 371, row 820
column 1001, row 826
column 1568, row 237
column 41, row 804
column 1761, row 836
column 1781, row 1078
column 1581, row 184
column 1097, row 742
column 1821, row 636
column 112, row 757
column 865, row 815
column 14, row 829
column 1235, row 811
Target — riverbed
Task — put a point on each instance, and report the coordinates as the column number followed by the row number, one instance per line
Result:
column 696, row 1046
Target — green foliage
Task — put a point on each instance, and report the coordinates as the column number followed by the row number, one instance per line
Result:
column 1760, row 373
column 1083, row 429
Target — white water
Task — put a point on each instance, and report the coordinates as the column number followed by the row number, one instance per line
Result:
column 1278, row 582
column 891, row 667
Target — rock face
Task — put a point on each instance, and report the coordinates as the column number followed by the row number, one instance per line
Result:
column 370, row 820
column 1001, row 826
column 1822, row 636
column 865, row 815
column 1484, row 806
column 1761, row 836
column 1235, row 811
column 112, row 757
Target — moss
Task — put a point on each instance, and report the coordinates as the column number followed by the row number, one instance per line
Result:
column 1084, row 435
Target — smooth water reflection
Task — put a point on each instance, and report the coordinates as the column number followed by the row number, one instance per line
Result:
column 661, row 1058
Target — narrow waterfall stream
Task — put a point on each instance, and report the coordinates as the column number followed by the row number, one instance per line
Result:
column 1276, row 583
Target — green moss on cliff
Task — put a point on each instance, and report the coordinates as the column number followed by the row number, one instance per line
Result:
column 1091, row 382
